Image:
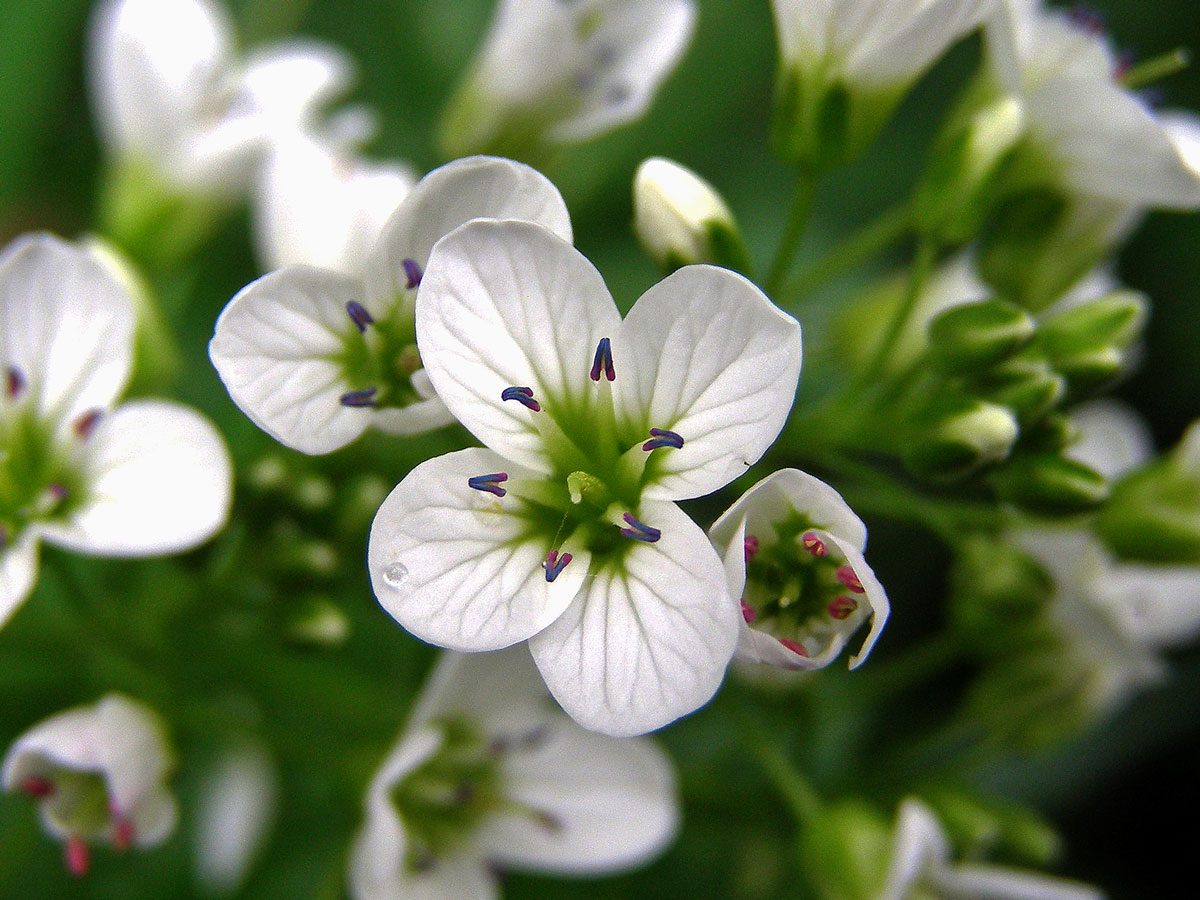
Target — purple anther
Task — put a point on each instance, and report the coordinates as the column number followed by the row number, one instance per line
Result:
column 1087, row 19
column 413, row 271
column 603, row 361
column 16, row 383
column 639, row 531
column 522, row 395
column 359, row 399
column 58, row 491
column 554, row 564
column 489, row 483
column 661, row 438
column 359, row 315
column 86, row 424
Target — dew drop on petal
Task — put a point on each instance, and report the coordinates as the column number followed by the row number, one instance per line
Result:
column 395, row 575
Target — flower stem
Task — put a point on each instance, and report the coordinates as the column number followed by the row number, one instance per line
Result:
column 799, row 794
column 798, row 216
column 922, row 266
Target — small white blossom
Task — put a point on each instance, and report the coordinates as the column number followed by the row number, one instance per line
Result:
column 488, row 773
column 98, row 774
column 170, row 94
column 315, row 357
column 677, row 214
column 144, row 478
column 793, row 555
column 564, row 531
column 920, row 867
column 565, row 71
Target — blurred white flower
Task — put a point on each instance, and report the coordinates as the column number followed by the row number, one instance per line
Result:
column 565, row 531
column 564, row 71
column 488, row 773
column 315, row 357
column 170, row 94
column 147, row 477
column 793, row 553
column 98, row 774
column 234, row 815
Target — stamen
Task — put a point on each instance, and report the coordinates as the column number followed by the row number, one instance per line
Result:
column 57, row 491
column 86, row 424
column 16, row 383
column 413, row 272
column 79, row 858
column 661, row 438
column 359, row 315
column 846, row 576
column 639, row 531
column 123, row 833
column 751, row 547
column 548, row 821
column 1087, row 19
column 523, row 395
column 554, row 564
column 794, row 646
column 748, row 612
column 489, row 483
column 603, row 361
column 37, row 787
column 360, row 399
column 841, row 607
column 814, row 544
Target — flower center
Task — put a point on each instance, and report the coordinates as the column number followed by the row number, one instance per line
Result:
column 380, row 355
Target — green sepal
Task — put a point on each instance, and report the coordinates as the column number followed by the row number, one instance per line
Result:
column 1049, row 484
column 1153, row 516
column 977, row 335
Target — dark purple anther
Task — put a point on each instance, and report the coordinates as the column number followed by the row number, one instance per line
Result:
column 522, row 395
column 86, row 424
column 359, row 315
column 363, row 398
column 1087, row 19
column 554, row 564
column 603, row 361
column 639, row 531
column 16, row 383
column 489, row 483
column 414, row 273
column 660, row 438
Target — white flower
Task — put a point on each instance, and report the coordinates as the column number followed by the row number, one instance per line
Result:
column 845, row 64
column 920, row 867
column 98, row 773
column 315, row 357
column 320, row 204
column 235, row 812
column 488, row 773
column 677, row 214
column 1088, row 134
column 565, row 71
column 145, row 478
column 793, row 555
column 170, row 94
column 564, row 531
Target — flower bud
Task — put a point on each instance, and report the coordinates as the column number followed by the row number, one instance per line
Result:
column 319, row 623
column 1154, row 515
column 1049, row 484
column 961, row 441
column 986, row 826
column 679, row 218
column 1087, row 344
column 1026, row 385
column 1035, row 699
column 996, row 591
column 975, row 335
column 844, row 851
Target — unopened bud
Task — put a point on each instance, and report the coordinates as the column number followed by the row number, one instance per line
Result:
column 1026, row 385
column 845, row 850
column 996, row 591
column 1115, row 320
column 987, row 827
column 975, row 335
column 1154, row 515
column 319, row 623
column 960, row 442
column 1050, row 484
column 679, row 218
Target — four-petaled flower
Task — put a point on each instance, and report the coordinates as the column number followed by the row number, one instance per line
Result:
column 793, row 555
column 146, row 478
column 315, row 357
column 488, row 773
column 564, row 531
column 98, row 773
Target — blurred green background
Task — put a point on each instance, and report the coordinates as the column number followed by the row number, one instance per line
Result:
column 1113, row 793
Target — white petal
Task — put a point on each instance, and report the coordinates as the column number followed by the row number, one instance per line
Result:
column 918, row 846
column 876, row 604
column 1183, row 128
column 611, row 804
column 159, row 480
column 461, row 568
column 234, row 814
column 782, row 494
column 705, row 354
column 67, row 325
column 273, row 348
column 132, row 750
column 285, row 83
column 896, row 41
column 472, row 188
column 1155, row 605
column 1112, row 437
column 509, row 304
column 647, row 640
column 18, row 571
column 462, row 876
column 501, row 692
column 802, row 28
column 980, row 882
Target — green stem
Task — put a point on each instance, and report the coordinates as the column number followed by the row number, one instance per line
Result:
column 798, row 216
column 861, row 247
column 802, row 799
column 922, row 266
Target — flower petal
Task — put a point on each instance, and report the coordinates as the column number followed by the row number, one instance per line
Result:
column 18, row 571
column 705, row 354
column 471, row 188
column 918, row 846
column 461, row 568
column 1000, row 883
column 502, row 692
column 511, row 304
column 68, row 326
column 132, row 750
column 159, row 480
column 605, row 805
column 273, row 347
column 283, row 84
column 648, row 639
column 1112, row 437
column 782, row 494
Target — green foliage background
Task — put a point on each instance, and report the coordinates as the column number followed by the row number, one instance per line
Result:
column 335, row 713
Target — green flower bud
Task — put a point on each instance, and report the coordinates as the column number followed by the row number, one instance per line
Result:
column 996, row 592
column 1036, row 699
column 975, row 335
column 1154, row 515
column 844, row 851
column 679, row 219
column 960, row 441
column 1026, row 385
column 986, row 826
column 1087, row 344
column 319, row 623
column 1049, row 484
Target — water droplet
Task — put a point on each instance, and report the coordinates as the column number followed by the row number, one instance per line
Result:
column 395, row 574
